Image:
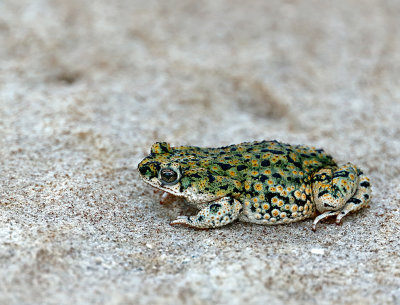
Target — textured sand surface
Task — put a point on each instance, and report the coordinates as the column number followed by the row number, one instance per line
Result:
column 87, row 86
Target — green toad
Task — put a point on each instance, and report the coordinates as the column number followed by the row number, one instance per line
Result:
column 264, row 182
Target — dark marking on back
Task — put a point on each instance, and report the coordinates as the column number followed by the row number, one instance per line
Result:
column 241, row 167
column 224, row 166
column 265, row 163
column 277, row 152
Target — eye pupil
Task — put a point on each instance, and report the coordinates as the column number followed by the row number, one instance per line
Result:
column 168, row 175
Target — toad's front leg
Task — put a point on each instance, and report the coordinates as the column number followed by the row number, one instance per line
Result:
column 217, row 214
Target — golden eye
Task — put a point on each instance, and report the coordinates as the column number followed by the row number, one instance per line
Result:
column 169, row 176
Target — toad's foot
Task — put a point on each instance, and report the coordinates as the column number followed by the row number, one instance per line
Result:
column 217, row 214
column 340, row 191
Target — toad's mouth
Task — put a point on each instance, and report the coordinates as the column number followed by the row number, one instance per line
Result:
column 171, row 189
column 191, row 194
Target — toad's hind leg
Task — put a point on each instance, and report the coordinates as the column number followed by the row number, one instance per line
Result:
column 360, row 199
column 217, row 214
column 339, row 191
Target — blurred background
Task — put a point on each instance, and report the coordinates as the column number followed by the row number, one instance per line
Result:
column 188, row 68
column 87, row 86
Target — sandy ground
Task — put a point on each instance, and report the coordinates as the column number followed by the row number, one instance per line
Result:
column 87, row 86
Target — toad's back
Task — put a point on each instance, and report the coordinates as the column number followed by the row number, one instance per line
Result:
column 276, row 178
column 296, row 160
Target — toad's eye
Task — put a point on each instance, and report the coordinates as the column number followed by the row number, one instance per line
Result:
column 169, row 176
